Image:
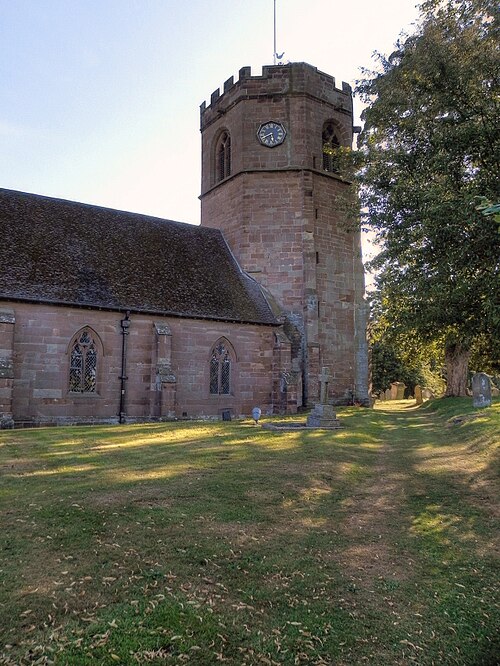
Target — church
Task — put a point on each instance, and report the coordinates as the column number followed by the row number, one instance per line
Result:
column 108, row 316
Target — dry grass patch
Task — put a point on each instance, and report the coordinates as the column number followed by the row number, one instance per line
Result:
column 199, row 543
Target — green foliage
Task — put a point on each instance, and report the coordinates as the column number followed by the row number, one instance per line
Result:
column 388, row 366
column 347, row 163
column 431, row 146
column 399, row 355
column 488, row 208
column 485, row 356
column 391, row 362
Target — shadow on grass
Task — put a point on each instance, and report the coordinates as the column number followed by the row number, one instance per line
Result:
column 344, row 535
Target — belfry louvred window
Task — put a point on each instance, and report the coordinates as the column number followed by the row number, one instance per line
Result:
column 83, row 364
column 330, row 144
column 223, row 156
column 220, row 370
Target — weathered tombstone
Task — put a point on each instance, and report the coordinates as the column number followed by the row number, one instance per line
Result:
column 381, row 396
column 323, row 416
column 398, row 391
column 418, row 395
column 427, row 394
column 495, row 392
column 481, row 390
column 256, row 414
column 388, row 394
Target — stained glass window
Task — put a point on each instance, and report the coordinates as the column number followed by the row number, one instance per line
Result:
column 83, row 364
column 220, row 370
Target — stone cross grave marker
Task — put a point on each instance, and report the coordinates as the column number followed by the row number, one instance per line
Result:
column 324, row 379
column 481, row 390
column 323, row 416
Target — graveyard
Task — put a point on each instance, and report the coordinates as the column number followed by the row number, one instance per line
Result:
column 206, row 542
column 279, row 467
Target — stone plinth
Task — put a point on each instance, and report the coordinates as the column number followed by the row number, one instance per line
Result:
column 323, row 416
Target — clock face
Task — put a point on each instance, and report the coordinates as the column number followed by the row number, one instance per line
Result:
column 271, row 134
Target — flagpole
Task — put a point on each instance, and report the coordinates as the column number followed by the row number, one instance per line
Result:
column 274, row 52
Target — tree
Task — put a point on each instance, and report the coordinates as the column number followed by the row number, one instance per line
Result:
column 430, row 147
column 400, row 356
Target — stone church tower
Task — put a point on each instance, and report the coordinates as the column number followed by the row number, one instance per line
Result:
column 269, row 183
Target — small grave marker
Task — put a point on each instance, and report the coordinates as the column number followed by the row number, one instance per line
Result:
column 323, row 416
column 398, row 391
column 481, row 390
column 256, row 414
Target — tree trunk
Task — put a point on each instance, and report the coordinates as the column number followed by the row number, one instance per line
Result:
column 457, row 364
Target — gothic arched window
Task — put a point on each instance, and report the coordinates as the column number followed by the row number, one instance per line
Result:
column 83, row 364
column 220, row 369
column 330, row 144
column 223, row 157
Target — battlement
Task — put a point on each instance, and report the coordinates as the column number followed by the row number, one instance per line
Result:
column 297, row 78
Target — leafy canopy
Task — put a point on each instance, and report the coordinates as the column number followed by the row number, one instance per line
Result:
column 430, row 148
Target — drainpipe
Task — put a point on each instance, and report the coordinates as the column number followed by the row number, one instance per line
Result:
column 125, row 324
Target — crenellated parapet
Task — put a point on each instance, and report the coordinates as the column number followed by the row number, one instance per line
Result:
column 297, row 78
column 270, row 184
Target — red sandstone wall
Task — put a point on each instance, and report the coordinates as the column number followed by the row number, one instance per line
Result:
column 262, row 221
column 279, row 211
column 42, row 334
column 288, row 233
column 299, row 96
column 339, row 276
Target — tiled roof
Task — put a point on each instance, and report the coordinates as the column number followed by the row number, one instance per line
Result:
column 64, row 252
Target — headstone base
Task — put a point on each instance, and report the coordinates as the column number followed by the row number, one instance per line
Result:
column 322, row 416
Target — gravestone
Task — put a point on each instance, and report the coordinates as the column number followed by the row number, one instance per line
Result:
column 256, row 414
column 418, row 395
column 381, row 396
column 388, row 394
column 481, row 390
column 323, row 416
column 427, row 394
column 398, row 391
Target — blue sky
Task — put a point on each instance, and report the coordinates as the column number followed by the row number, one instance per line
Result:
column 99, row 99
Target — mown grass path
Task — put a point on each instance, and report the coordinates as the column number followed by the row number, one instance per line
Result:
column 204, row 543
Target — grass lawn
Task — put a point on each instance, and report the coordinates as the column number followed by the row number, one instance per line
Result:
column 202, row 543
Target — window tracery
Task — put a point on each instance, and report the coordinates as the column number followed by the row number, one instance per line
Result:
column 330, row 144
column 83, row 364
column 223, row 157
column 220, row 370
